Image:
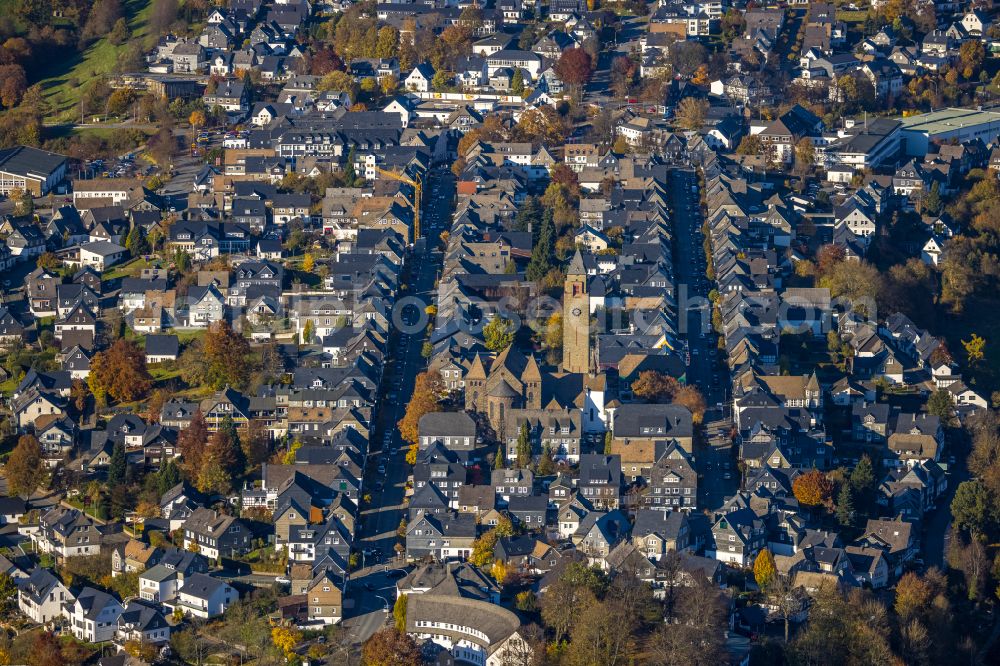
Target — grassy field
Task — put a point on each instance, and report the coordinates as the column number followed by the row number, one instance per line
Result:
column 848, row 16
column 7, row 387
column 69, row 130
column 982, row 317
column 184, row 336
column 129, row 269
column 163, row 372
column 66, row 78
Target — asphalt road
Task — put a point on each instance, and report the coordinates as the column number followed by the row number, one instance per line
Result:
column 185, row 167
column 598, row 89
column 937, row 525
column 255, row 579
column 381, row 521
column 715, row 460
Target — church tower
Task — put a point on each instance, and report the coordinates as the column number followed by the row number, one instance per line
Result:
column 576, row 318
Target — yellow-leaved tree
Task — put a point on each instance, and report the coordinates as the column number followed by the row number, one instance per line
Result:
column 764, row 568
column 285, row 639
column 499, row 571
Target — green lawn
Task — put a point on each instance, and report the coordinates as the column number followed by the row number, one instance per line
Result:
column 266, row 560
column 129, row 269
column 982, row 317
column 161, row 372
column 90, row 510
column 69, row 130
column 66, row 78
column 188, row 336
column 7, row 387
column 848, row 16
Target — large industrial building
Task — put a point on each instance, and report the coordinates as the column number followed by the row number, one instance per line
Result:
column 945, row 125
column 30, row 170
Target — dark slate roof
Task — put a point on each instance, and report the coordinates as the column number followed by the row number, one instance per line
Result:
column 639, row 420
column 162, row 345
column 202, row 586
column 450, row 424
column 654, row 521
column 30, row 161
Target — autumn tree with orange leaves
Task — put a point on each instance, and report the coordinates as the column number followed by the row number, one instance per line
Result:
column 390, row 647
column 657, row 387
column 228, row 356
column 690, row 397
column 654, row 386
column 812, row 488
column 574, row 67
column 191, row 441
column 119, row 373
column 427, row 391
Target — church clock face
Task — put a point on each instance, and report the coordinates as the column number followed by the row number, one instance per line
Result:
column 576, row 312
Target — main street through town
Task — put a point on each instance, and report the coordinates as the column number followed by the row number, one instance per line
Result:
column 372, row 588
column 718, row 476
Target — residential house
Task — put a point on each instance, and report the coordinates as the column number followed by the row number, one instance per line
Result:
column 80, row 318
column 529, row 512
column 216, row 535
column 456, row 431
column 67, row 533
column 93, row 616
column 11, row 329
column 178, row 503
column 441, row 536
column 419, row 79
column 916, row 438
column 976, row 23
column 672, row 481
column 324, row 596
column 782, row 134
column 42, row 596
column 143, row 623
column 738, row 534
column 161, row 582
column 512, row 482
column 896, row 538
column 11, row 510
column 599, row 532
column 206, row 306
column 204, row 597
column 161, row 348
column 657, row 533
column 869, row 565
column 102, row 255
column 24, row 240
column 638, row 430
column 133, row 556
column 600, row 481
column 230, row 95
